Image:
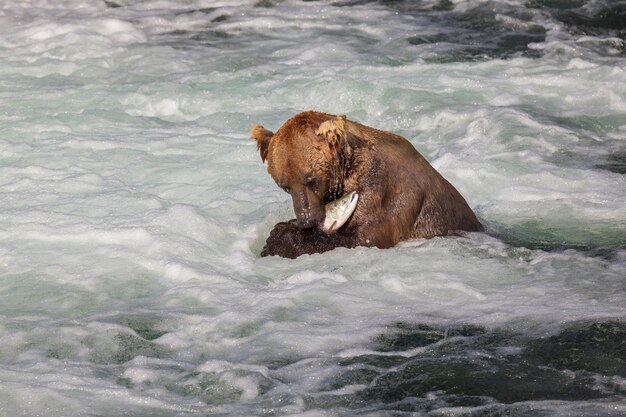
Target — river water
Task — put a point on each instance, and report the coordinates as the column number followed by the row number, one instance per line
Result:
column 133, row 208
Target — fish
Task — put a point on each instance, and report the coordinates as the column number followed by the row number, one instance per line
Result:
column 339, row 211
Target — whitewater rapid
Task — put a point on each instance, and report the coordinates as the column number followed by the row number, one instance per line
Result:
column 134, row 206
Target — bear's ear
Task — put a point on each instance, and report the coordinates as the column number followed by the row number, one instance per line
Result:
column 336, row 135
column 334, row 130
column 262, row 137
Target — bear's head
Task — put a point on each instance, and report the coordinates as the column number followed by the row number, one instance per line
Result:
column 308, row 157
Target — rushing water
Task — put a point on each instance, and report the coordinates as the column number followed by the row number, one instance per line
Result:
column 133, row 208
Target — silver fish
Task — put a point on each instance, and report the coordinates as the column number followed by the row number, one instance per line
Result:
column 339, row 211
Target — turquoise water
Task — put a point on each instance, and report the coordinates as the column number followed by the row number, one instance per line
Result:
column 134, row 208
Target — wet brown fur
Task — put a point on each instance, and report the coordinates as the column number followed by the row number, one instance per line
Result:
column 318, row 157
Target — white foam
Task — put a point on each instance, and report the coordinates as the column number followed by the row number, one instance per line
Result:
column 134, row 205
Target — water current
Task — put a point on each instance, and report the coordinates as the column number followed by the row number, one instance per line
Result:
column 134, row 206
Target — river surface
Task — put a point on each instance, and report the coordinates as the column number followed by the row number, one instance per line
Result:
column 134, row 206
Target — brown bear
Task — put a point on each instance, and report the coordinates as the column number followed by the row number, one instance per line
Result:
column 318, row 157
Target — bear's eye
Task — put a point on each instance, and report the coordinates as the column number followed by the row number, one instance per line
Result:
column 285, row 188
column 311, row 182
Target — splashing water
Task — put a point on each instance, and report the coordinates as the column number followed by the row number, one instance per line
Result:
column 134, row 208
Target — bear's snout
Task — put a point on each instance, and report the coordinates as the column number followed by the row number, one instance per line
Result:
column 308, row 209
column 306, row 223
